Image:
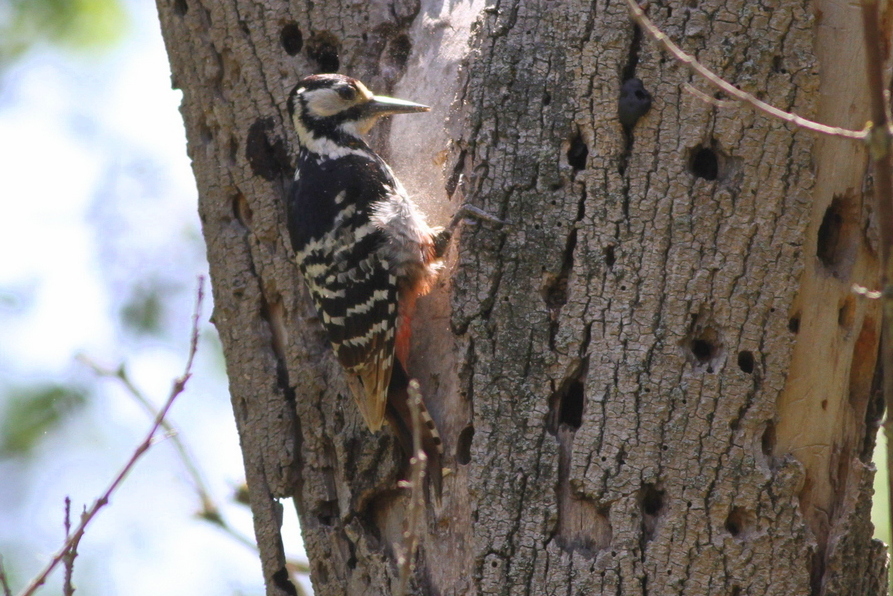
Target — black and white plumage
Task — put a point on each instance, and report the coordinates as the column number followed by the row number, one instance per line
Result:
column 363, row 247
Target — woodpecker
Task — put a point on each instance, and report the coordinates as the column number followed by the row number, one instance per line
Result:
column 363, row 247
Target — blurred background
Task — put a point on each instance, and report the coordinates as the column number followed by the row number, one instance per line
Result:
column 102, row 251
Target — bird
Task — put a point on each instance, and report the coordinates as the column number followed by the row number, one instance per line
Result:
column 362, row 245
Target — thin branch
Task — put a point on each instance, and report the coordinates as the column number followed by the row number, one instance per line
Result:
column 4, row 583
column 71, row 555
column 719, row 103
column 209, row 510
column 416, row 485
column 657, row 35
column 178, row 387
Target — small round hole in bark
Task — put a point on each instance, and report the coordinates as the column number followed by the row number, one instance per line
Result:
column 824, row 404
column 291, row 38
column 704, row 347
column 266, row 154
column 577, row 153
column 652, row 500
column 463, row 445
column 704, row 163
column 572, row 405
column 322, row 48
column 740, row 522
column 241, row 210
column 180, row 7
column 839, row 235
column 846, row 313
column 767, row 443
column 399, row 49
column 794, row 324
column 701, row 349
column 547, row 98
column 610, row 257
column 745, row 361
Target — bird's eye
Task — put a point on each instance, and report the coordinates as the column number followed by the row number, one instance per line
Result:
column 347, row 93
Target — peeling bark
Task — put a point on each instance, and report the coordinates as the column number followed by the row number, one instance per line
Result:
column 655, row 379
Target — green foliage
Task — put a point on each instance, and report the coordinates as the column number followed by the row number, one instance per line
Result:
column 76, row 24
column 31, row 413
column 143, row 312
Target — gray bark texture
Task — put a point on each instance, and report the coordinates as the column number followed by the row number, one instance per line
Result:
column 655, row 379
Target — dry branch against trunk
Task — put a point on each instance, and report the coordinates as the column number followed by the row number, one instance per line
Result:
column 657, row 380
column 723, row 85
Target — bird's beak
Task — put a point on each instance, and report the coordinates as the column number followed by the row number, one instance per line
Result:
column 380, row 105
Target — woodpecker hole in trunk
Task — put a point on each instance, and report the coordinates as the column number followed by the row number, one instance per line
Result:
column 291, row 38
column 269, row 160
column 577, row 153
column 651, row 501
column 463, row 445
column 704, row 163
column 322, row 48
column 704, row 347
column 567, row 404
column 838, row 236
column 610, row 257
column 398, row 51
column 741, row 522
column 767, row 442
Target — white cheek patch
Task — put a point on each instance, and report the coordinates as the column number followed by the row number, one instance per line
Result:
column 325, row 102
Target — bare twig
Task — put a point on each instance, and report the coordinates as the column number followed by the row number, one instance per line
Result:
column 879, row 149
column 657, row 35
column 709, row 99
column 866, row 293
column 209, row 510
column 4, row 583
column 178, row 387
column 416, row 485
column 71, row 555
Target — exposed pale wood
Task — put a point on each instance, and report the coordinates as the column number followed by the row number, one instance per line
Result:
column 822, row 409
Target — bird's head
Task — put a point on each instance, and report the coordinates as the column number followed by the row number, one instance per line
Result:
column 333, row 106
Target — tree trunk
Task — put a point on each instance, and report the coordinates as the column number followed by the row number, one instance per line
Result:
column 654, row 379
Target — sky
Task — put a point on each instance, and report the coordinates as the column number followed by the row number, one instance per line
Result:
column 99, row 209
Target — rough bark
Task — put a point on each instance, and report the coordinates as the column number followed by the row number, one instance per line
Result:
column 655, row 379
